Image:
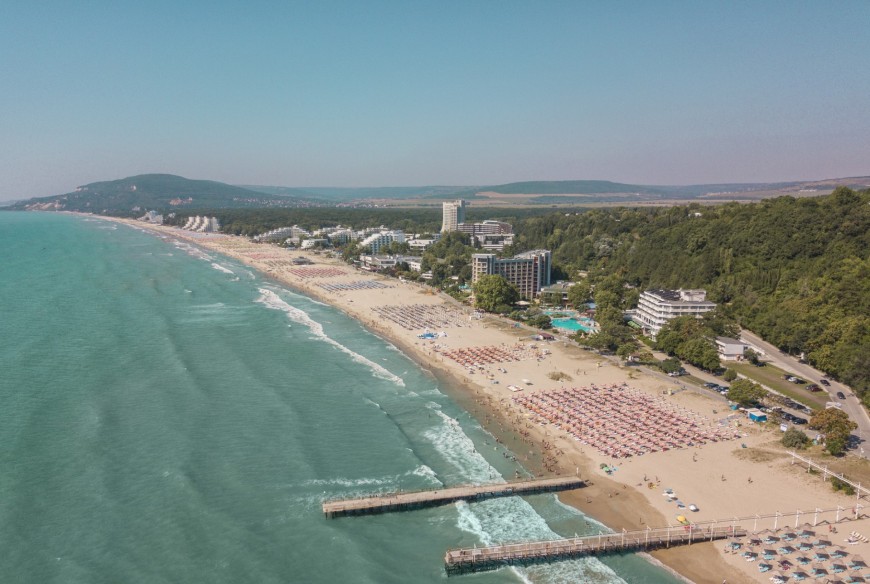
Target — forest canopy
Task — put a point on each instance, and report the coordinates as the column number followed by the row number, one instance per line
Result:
column 794, row 270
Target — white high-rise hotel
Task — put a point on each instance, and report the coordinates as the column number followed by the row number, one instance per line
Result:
column 453, row 215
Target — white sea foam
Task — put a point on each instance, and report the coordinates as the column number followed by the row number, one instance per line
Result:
column 513, row 519
column 192, row 250
column 504, row 519
column 391, row 481
column 271, row 300
column 454, row 445
column 427, row 473
column 220, row 268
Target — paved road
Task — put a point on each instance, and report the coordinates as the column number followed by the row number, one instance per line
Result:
column 851, row 405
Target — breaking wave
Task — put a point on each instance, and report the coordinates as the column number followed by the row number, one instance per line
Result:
column 271, row 300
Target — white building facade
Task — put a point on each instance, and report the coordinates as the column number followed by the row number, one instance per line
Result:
column 730, row 349
column 378, row 240
column 656, row 307
column 453, row 213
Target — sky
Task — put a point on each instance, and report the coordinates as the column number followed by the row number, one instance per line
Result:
column 466, row 92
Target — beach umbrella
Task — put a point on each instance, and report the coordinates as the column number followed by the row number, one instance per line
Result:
column 857, row 562
column 839, row 552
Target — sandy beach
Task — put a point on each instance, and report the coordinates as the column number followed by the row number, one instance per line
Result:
column 727, row 468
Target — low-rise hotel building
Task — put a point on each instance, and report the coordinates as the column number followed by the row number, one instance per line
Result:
column 378, row 240
column 656, row 307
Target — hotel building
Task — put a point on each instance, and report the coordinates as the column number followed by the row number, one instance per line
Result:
column 529, row 271
column 656, row 307
column 453, row 213
column 378, row 240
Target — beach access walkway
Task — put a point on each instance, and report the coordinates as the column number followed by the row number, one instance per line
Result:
column 460, row 561
column 434, row 497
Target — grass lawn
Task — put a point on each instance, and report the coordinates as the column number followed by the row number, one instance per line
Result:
column 772, row 377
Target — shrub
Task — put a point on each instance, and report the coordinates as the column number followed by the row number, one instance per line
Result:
column 794, row 438
column 839, row 485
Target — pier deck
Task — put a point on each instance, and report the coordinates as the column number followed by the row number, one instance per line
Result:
column 459, row 561
column 430, row 498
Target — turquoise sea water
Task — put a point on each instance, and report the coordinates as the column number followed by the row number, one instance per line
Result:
column 167, row 415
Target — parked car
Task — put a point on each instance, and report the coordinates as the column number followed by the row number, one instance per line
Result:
column 825, row 382
column 799, row 421
column 840, row 395
column 797, row 380
column 813, row 387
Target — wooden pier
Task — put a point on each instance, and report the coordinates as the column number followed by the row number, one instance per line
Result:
column 459, row 561
column 431, row 498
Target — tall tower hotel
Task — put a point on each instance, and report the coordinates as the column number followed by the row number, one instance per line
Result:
column 454, row 214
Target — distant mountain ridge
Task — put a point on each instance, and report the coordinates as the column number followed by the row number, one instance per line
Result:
column 168, row 192
column 157, row 191
column 549, row 191
column 354, row 193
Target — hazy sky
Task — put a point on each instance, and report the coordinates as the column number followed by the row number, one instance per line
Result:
column 365, row 93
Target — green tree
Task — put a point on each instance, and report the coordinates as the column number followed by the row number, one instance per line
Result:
column 493, row 290
column 579, row 294
column 751, row 356
column 700, row 351
column 835, row 424
column 670, row 365
column 540, row 321
column 626, row 350
column 745, row 392
column 729, row 375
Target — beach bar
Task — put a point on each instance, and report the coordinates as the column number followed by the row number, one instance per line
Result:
column 434, row 497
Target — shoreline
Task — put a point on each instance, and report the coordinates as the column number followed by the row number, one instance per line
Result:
column 618, row 501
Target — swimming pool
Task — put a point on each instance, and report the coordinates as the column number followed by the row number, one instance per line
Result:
column 571, row 324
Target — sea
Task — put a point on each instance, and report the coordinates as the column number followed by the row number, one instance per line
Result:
column 168, row 415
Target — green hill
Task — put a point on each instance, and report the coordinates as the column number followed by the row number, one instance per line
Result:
column 794, row 270
column 357, row 193
column 157, row 191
